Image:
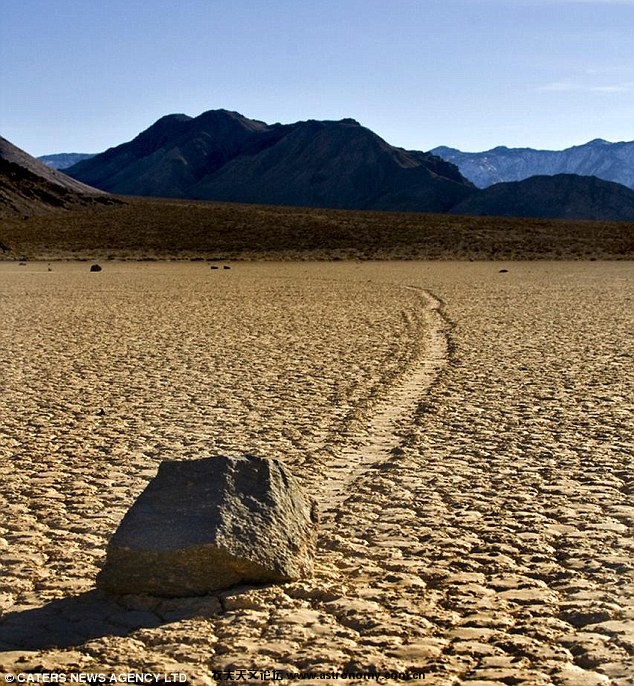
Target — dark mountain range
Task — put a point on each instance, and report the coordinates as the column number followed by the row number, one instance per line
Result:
column 27, row 186
column 46, row 215
column 563, row 196
column 607, row 161
column 222, row 155
column 63, row 160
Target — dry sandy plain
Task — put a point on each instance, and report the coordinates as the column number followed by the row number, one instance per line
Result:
column 467, row 431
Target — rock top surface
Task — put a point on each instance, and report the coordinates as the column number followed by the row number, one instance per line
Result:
column 208, row 524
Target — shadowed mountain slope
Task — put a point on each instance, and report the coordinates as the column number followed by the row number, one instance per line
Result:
column 27, row 186
column 13, row 154
column 563, row 196
column 222, row 155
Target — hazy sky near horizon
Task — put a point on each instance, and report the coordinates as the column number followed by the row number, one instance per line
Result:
column 82, row 76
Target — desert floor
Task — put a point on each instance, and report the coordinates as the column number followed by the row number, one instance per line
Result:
column 467, row 431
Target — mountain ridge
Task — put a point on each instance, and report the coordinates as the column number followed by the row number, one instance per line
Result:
column 222, row 155
column 10, row 153
column 63, row 160
column 598, row 157
column 561, row 196
column 42, row 219
column 28, row 186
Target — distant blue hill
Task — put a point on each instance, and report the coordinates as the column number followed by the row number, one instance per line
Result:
column 605, row 160
column 63, row 160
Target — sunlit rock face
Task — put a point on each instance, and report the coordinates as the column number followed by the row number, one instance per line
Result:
column 205, row 525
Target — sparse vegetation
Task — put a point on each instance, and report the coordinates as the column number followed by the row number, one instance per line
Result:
column 143, row 228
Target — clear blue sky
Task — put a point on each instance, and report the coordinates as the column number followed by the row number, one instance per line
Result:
column 85, row 75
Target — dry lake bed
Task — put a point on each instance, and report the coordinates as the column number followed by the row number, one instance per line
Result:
column 466, row 430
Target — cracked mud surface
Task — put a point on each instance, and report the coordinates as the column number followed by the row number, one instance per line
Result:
column 482, row 531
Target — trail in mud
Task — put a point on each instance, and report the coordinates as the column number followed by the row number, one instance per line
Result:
column 393, row 413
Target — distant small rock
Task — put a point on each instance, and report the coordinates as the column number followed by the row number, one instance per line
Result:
column 95, row 268
column 503, row 271
column 213, row 266
column 205, row 525
column 226, row 266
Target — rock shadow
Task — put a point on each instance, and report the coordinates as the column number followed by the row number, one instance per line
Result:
column 73, row 621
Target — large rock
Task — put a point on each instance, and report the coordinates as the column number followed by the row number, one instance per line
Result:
column 204, row 525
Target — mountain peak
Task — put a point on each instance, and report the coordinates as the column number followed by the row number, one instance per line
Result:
column 222, row 155
column 222, row 115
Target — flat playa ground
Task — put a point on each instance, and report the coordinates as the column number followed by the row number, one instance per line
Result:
column 467, row 431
